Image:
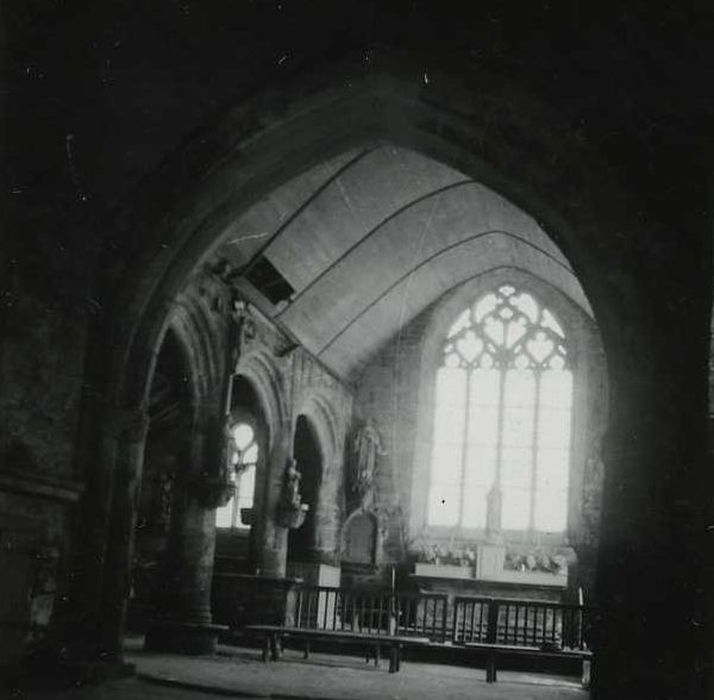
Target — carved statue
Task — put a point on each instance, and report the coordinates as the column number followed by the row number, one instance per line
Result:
column 292, row 500
column 241, row 331
column 366, row 448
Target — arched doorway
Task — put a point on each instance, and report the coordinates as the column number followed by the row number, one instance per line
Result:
column 308, row 455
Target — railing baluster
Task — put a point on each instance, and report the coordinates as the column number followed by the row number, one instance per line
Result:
column 298, row 614
column 463, row 623
column 308, row 621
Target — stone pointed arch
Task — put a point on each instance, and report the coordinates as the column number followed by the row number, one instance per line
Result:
column 324, row 419
column 470, row 121
column 259, row 368
column 478, row 124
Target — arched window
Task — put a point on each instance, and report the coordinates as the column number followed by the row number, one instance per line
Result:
column 502, row 418
column 244, row 458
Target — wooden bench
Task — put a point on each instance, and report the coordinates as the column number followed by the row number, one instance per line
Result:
column 272, row 636
column 513, row 627
column 376, row 619
column 494, row 651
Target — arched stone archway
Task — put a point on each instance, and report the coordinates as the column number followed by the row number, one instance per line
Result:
column 493, row 133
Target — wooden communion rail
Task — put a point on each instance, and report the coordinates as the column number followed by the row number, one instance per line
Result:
column 387, row 621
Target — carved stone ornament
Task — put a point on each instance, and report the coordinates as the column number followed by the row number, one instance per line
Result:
column 242, row 332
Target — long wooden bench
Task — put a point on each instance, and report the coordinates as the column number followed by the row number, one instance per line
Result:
column 272, row 636
column 503, row 627
column 495, row 651
column 372, row 619
column 379, row 620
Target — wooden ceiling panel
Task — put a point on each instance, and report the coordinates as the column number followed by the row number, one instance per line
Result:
column 369, row 239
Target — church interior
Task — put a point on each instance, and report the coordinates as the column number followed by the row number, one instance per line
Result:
column 307, row 304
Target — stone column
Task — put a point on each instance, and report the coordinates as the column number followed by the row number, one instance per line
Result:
column 129, row 460
column 89, row 622
column 650, row 634
column 183, row 622
column 271, row 540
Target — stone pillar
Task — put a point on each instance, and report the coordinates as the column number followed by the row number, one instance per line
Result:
column 129, row 461
column 183, row 621
column 86, row 644
column 271, row 539
column 650, row 635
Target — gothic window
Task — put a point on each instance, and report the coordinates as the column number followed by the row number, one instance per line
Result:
column 502, row 418
column 244, row 458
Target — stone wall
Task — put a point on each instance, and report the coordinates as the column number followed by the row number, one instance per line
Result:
column 394, row 390
column 288, row 383
column 41, row 365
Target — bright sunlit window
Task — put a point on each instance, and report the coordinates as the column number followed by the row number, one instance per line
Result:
column 244, row 458
column 502, row 417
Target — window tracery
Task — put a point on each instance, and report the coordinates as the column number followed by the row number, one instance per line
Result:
column 501, row 442
column 244, row 459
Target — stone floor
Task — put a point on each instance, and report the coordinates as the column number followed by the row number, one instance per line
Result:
column 236, row 672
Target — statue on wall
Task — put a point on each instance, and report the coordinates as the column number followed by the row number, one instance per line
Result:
column 241, row 332
column 292, row 500
column 366, row 448
column 292, row 510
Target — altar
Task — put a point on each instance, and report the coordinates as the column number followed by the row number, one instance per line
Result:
column 492, row 574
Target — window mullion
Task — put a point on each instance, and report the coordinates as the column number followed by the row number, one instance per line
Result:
column 235, row 503
column 495, row 491
column 499, row 429
column 534, row 451
column 465, row 444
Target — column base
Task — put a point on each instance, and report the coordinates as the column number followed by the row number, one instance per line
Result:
column 183, row 638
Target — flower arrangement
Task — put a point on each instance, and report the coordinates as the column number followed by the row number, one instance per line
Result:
column 428, row 552
column 536, row 561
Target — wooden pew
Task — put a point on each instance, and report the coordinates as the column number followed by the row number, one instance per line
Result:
column 502, row 627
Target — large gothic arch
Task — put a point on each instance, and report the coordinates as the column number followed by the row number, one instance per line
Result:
column 486, row 129
column 471, row 125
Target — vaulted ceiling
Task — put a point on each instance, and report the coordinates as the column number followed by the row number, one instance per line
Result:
column 369, row 239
